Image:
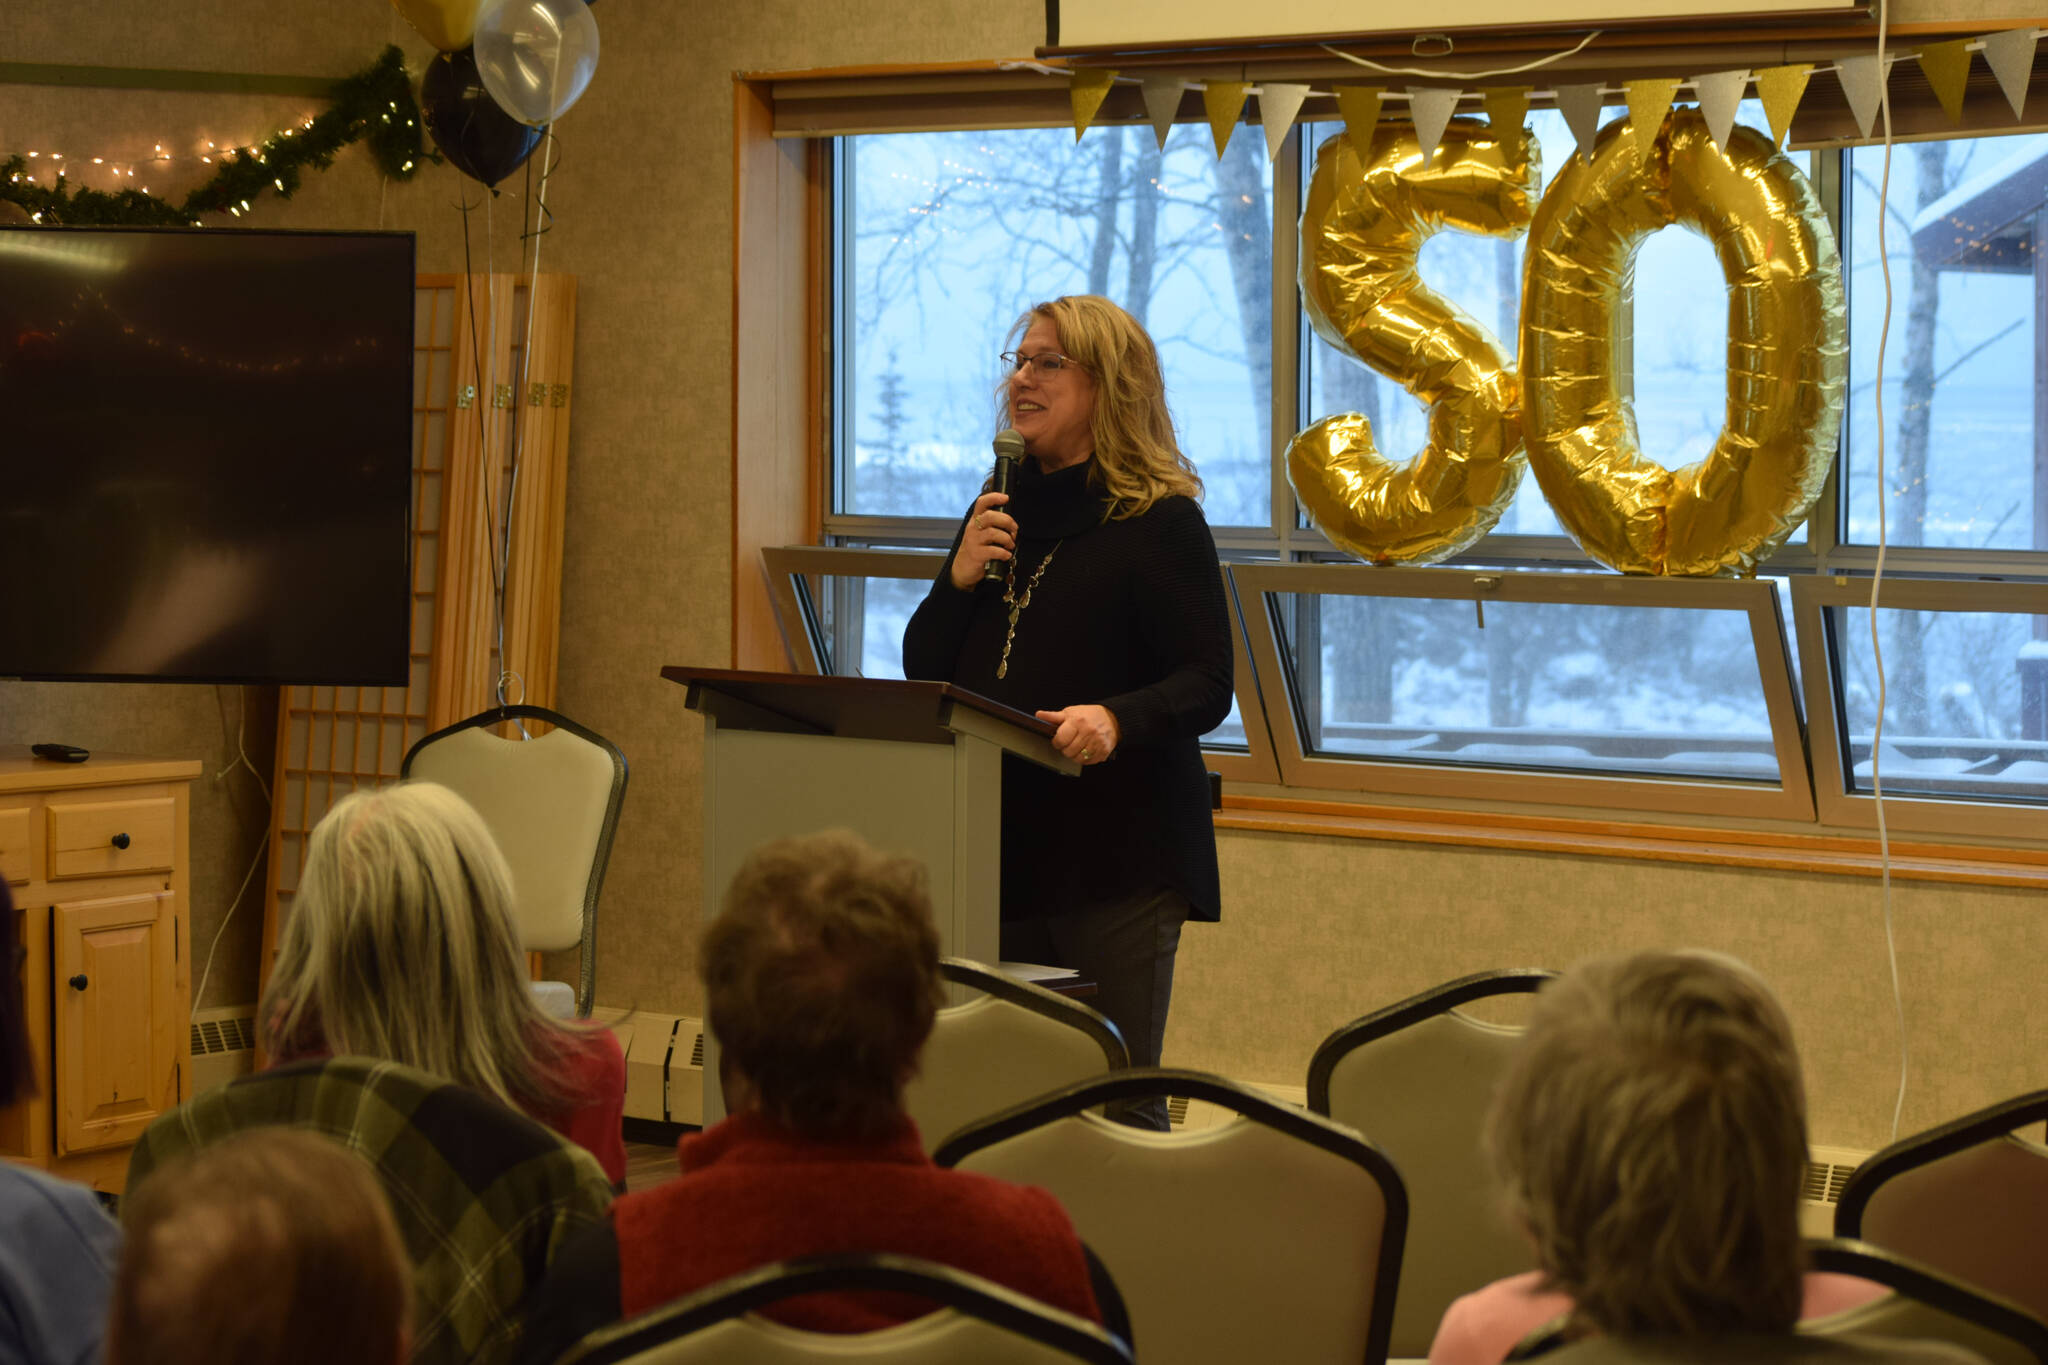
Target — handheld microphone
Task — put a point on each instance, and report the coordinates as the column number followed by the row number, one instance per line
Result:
column 1009, row 452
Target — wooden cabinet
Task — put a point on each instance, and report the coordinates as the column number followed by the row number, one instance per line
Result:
column 96, row 857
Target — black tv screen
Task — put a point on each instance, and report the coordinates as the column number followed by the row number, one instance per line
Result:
column 208, row 454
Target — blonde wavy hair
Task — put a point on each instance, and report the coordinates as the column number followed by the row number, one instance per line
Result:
column 1651, row 1138
column 1137, row 459
column 401, row 945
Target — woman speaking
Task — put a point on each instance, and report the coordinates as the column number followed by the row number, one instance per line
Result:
column 1108, row 619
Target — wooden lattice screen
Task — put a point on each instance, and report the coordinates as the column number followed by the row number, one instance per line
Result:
column 331, row 740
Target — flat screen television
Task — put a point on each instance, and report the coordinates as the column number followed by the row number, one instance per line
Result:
column 205, row 455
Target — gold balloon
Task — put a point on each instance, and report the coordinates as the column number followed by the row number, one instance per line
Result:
column 448, row 24
column 1787, row 350
column 1364, row 220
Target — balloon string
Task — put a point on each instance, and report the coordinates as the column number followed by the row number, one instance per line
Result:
column 520, row 423
column 1884, row 331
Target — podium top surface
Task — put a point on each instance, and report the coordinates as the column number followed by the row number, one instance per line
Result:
column 864, row 708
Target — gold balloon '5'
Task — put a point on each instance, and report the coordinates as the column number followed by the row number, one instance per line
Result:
column 1567, row 413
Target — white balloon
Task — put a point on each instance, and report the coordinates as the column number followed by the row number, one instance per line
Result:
column 536, row 57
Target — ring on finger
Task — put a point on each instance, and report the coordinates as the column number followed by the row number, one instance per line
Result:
column 1087, row 754
column 977, row 521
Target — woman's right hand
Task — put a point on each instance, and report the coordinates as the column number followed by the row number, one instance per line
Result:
column 991, row 535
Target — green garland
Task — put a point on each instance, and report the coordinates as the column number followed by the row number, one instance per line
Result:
column 375, row 105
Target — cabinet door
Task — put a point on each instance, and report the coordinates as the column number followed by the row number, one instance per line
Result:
column 116, row 1063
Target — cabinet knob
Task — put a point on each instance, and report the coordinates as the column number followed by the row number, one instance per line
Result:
column 120, row 841
column 79, row 983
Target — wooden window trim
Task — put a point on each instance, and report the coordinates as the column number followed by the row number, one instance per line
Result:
column 1593, row 837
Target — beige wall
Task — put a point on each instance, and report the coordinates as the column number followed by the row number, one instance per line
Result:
column 1318, row 931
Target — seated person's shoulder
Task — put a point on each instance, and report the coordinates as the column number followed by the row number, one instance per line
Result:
column 1791, row 1348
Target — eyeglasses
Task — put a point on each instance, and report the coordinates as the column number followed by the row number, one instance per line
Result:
column 1042, row 364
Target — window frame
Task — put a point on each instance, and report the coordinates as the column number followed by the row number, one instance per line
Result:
column 1790, row 797
column 791, row 566
column 1952, row 816
column 1284, row 545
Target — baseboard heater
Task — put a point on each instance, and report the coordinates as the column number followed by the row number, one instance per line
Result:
column 664, row 1065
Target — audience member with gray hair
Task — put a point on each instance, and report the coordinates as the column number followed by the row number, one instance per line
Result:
column 1650, row 1137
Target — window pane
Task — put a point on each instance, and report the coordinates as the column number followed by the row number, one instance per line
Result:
column 1660, row 690
column 1966, row 701
column 862, row 620
column 1964, row 459
column 951, row 236
column 1679, row 361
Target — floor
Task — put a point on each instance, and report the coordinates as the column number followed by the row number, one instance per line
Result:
column 649, row 1164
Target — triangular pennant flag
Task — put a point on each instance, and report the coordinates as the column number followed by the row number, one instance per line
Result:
column 1223, row 101
column 1162, row 102
column 1431, row 108
column 1719, row 94
column 1649, row 100
column 1948, row 69
column 1580, row 105
column 2010, row 55
column 1507, row 109
column 1360, row 106
column 1278, row 104
column 1089, row 89
column 1863, row 86
column 1781, row 88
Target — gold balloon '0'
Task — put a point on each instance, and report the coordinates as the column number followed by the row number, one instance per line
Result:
column 1786, row 350
column 1365, row 218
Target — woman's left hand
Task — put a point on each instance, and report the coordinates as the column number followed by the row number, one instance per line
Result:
column 1087, row 734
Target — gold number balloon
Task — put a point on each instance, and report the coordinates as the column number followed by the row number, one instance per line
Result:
column 1787, row 355
column 1365, row 218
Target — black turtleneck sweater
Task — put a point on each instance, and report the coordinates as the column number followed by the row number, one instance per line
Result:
column 1129, row 615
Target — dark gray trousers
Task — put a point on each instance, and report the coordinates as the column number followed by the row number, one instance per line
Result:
column 1126, row 948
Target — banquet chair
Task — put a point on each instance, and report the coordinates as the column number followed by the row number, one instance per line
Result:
column 1011, row 1042
column 1275, row 1235
column 1925, row 1305
column 552, row 804
column 1969, row 1198
column 976, row 1320
column 1417, row 1078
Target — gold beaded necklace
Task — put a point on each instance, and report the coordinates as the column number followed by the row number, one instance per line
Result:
column 1017, row 604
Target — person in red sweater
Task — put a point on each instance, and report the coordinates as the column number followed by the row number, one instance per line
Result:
column 401, row 944
column 821, row 980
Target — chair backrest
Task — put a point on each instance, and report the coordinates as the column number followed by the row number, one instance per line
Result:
column 1925, row 1305
column 1969, row 1199
column 1013, row 1042
column 552, row 803
column 1274, row 1236
column 976, row 1320
column 1417, row 1078
column 483, row 1196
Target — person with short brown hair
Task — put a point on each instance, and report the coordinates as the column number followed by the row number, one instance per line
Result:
column 272, row 1246
column 821, row 979
column 821, row 982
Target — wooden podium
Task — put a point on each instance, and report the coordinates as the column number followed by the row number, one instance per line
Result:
column 912, row 767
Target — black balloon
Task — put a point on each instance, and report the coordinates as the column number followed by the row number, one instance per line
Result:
column 482, row 141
